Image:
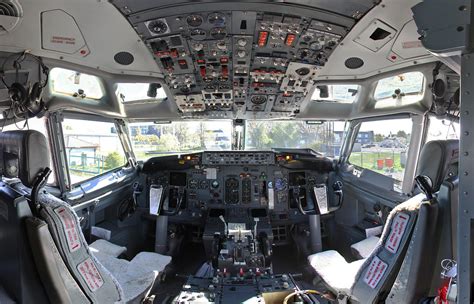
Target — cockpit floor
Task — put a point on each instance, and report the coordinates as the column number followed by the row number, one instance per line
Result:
column 192, row 257
column 187, row 262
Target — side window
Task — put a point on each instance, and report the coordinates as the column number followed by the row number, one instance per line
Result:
column 399, row 90
column 442, row 129
column 38, row 124
column 382, row 146
column 92, row 148
column 75, row 84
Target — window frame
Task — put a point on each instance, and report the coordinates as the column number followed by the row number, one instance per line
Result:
column 333, row 100
column 100, row 82
column 143, row 100
column 343, row 139
column 65, row 163
column 421, row 92
column 151, row 122
column 414, row 146
column 429, row 117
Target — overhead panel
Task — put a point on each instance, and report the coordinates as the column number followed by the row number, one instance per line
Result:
column 222, row 61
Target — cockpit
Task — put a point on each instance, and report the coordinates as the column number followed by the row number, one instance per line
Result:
column 234, row 152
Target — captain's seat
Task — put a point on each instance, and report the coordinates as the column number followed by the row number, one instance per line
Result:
column 70, row 271
column 436, row 149
column 406, row 245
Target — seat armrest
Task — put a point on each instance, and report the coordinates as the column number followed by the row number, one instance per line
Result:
column 363, row 249
column 105, row 247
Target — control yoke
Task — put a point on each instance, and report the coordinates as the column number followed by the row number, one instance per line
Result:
column 298, row 197
column 337, row 188
column 177, row 194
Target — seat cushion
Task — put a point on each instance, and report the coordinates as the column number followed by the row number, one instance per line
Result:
column 136, row 282
column 107, row 247
column 364, row 248
column 151, row 261
column 334, row 270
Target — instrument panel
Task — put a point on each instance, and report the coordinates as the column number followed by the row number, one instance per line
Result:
column 238, row 184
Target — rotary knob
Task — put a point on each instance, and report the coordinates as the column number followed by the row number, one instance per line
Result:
column 242, row 42
column 198, row 46
column 221, row 45
column 241, row 54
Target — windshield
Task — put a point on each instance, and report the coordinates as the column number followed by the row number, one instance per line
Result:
column 150, row 139
column 325, row 137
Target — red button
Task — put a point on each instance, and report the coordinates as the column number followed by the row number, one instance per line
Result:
column 225, row 71
column 202, row 70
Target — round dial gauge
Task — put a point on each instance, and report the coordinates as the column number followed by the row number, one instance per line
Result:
column 302, row 71
column 258, row 99
column 194, row 20
column 280, row 184
column 158, row 27
column 215, row 184
column 242, row 42
column 198, row 34
column 216, row 19
column 218, row 33
column 204, row 184
column 193, row 183
column 197, row 46
column 304, row 53
column 316, row 46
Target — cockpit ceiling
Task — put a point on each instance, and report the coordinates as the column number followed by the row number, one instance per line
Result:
column 348, row 8
column 224, row 59
column 250, row 56
column 217, row 57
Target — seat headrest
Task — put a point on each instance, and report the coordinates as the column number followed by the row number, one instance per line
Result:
column 439, row 160
column 23, row 154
